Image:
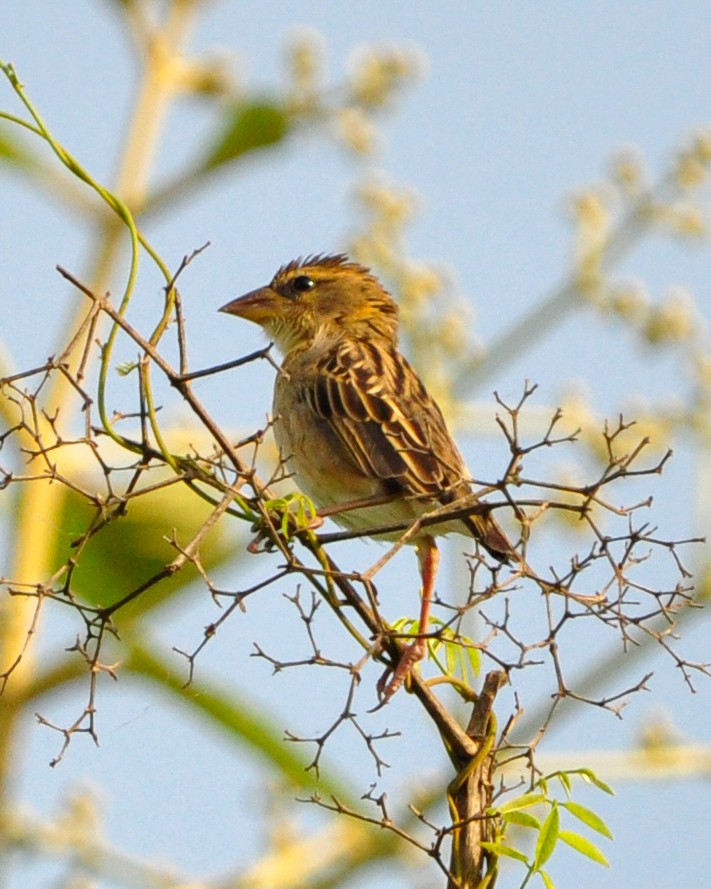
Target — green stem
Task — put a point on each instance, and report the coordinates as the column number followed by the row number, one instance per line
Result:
column 40, row 505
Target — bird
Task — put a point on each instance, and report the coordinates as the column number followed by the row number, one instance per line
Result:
column 354, row 422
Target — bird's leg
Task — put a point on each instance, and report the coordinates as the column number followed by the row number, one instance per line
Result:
column 428, row 557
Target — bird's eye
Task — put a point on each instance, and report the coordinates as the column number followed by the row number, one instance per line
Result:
column 303, row 283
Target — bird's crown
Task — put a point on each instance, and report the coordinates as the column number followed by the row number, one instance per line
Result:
column 332, row 292
column 321, row 299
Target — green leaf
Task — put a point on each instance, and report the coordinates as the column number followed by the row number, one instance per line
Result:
column 587, row 816
column 474, row 656
column 127, row 551
column 584, row 846
column 247, row 127
column 547, row 882
column 565, row 781
column 524, row 801
column 455, row 655
column 522, row 819
column 12, row 152
column 126, row 367
column 590, row 776
column 404, row 625
column 547, row 838
column 508, row 851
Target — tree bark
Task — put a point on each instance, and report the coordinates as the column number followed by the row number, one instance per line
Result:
column 470, row 795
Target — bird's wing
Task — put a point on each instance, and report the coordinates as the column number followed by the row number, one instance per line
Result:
column 391, row 428
column 386, row 420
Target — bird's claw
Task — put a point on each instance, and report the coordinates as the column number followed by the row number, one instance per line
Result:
column 387, row 687
column 261, row 542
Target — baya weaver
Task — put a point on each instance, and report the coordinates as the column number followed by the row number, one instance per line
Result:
column 354, row 421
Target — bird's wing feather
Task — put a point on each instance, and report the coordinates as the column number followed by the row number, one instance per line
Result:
column 386, row 420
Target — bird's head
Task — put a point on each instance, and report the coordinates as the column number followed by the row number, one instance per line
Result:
column 320, row 299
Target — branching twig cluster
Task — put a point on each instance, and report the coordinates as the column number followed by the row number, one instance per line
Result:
column 106, row 471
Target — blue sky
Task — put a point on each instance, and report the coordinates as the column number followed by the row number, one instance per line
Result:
column 522, row 106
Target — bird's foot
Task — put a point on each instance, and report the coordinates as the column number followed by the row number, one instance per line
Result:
column 314, row 523
column 261, row 542
column 391, row 680
column 264, row 540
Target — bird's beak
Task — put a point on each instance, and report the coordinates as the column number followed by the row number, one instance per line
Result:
column 257, row 306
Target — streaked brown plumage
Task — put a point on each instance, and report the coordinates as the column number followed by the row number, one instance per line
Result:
column 351, row 416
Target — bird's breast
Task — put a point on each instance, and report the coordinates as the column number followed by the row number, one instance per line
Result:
column 313, row 452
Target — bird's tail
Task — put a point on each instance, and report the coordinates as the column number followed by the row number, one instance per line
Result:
column 488, row 532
